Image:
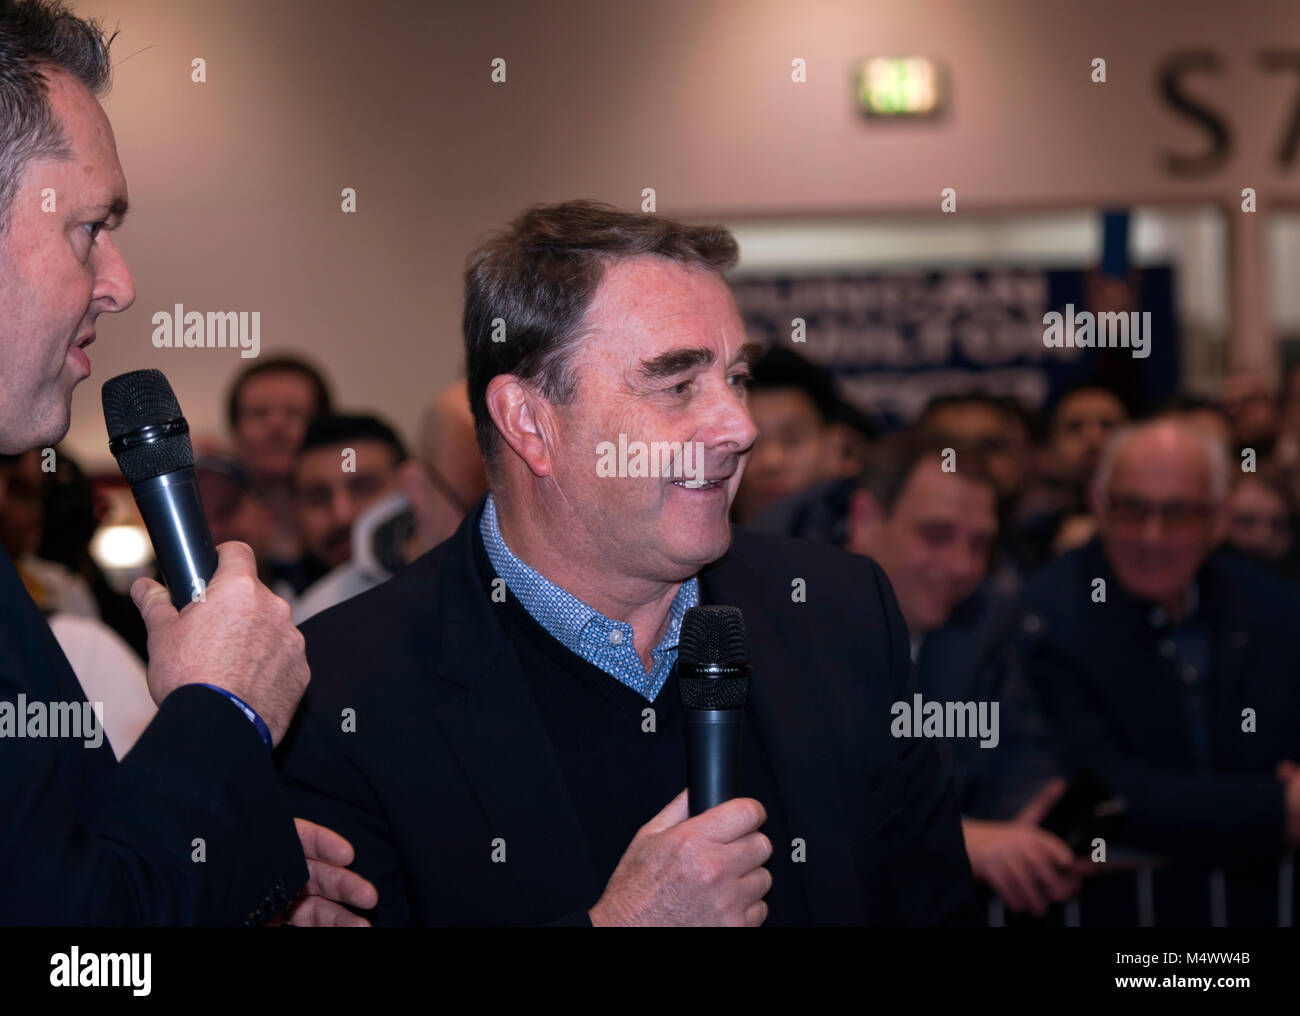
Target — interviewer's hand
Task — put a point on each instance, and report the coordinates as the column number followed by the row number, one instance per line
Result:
column 706, row 870
column 238, row 637
column 330, row 884
column 1028, row 867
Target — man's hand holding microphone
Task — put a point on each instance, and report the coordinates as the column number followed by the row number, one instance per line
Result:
column 215, row 623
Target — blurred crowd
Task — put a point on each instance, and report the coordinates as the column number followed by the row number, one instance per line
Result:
column 331, row 503
column 1119, row 579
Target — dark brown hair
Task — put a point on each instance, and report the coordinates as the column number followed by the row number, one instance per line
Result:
column 892, row 463
column 36, row 37
column 532, row 283
column 280, row 365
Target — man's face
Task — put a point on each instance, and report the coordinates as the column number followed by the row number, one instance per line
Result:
column 1157, row 521
column 664, row 359
column 1083, row 423
column 936, row 543
column 1000, row 437
column 1258, row 521
column 329, row 500
column 790, row 453
column 274, row 410
column 59, row 270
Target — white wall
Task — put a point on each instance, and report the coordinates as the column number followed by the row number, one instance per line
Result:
column 235, row 183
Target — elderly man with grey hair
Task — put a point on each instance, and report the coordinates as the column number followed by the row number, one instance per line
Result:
column 1165, row 665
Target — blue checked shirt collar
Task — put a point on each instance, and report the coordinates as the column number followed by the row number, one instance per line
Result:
column 581, row 629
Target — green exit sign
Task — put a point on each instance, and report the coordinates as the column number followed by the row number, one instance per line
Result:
column 900, row 86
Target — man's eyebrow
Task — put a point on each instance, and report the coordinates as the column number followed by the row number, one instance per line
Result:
column 674, row 362
column 748, row 353
column 677, row 361
column 113, row 208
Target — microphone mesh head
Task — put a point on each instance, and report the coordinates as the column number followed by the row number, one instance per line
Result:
column 713, row 635
column 713, row 659
column 713, row 692
column 138, row 399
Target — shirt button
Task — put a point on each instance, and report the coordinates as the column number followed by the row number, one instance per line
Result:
column 1189, row 674
column 1167, row 648
column 616, row 637
column 1159, row 616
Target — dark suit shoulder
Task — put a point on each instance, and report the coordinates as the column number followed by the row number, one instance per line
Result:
column 1268, row 593
column 410, row 588
column 776, row 556
column 1059, row 572
column 354, row 646
column 788, row 574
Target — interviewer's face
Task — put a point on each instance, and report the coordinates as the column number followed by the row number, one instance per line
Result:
column 646, row 314
column 59, row 270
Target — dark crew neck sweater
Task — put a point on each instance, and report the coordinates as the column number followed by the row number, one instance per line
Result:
column 619, row 774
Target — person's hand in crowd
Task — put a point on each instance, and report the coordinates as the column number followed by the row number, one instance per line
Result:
column 239, row 636
column 330, row 884
column 1028, row 867
column 701, row 871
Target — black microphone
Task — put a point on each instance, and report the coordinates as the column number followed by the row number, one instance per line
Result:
column 713, row 681
column 151, row 442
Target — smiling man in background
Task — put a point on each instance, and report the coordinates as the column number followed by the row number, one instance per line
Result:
column 498, row 728
column 926, row 510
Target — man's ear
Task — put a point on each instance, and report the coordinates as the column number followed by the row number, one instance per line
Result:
column 517, row 412
column 866, row 518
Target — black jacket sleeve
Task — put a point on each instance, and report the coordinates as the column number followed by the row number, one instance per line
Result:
column 191, row 828
column 326, row 787
column 935, row 885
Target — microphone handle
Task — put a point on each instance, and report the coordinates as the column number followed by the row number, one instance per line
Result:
column 712, row 757
column 178, row 528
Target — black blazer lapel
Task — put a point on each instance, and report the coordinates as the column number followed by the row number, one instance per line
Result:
column 502, row 746
column 799, row 723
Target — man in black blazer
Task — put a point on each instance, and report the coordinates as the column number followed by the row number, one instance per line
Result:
column 192, row 827
column 497, row 729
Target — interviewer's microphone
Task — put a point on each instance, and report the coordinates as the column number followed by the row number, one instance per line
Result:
column 713, row 680
column 151, row 442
